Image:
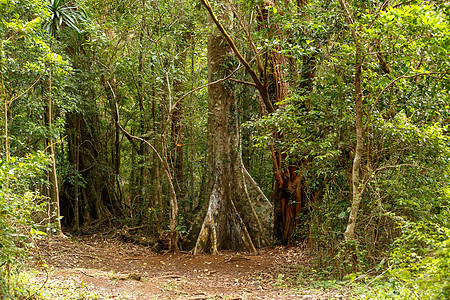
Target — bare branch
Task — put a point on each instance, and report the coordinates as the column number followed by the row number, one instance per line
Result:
column 350, row 22
column 203, row 86
column 126, row 133
column 250, row 41
column 399, row 166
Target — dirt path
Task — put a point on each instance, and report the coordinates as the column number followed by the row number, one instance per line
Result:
column 111, row 269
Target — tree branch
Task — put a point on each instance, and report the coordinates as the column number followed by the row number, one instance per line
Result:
column 250, row 41
column 259, row 85
column 243, row 82
column 128, row 135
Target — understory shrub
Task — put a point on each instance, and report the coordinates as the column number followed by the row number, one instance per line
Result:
column 20, row 179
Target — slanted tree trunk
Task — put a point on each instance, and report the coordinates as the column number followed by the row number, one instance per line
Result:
column 231, row 221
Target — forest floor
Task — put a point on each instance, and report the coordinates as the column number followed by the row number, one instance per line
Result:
column 100, row 267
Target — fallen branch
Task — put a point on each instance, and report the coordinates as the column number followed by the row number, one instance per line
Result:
column 84, row 273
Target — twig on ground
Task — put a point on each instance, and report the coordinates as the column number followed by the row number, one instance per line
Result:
column 234, row 258
column 84, row 273
column 169, row 277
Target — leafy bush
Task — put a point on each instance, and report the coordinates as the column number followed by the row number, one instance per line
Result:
column 20, row 179
column 420, row 263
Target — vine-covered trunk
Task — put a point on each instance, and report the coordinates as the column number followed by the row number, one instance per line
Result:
column 357, row 188
column 292, row 199
column 289, row 206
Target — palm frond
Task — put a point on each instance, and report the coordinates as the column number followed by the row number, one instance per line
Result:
column 62, row 14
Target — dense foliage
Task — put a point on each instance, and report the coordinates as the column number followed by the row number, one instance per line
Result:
column 405, row 164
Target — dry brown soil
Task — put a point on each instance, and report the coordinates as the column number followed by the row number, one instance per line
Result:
column 112, row 269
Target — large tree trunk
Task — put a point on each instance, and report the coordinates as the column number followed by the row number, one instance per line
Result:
column 291, row 195
column 232, row 221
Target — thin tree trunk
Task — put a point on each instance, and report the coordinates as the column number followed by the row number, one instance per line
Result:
column 141, row 179
column 4, row 103
column 177, row 139
column 54, row 189
column 134, row 185
column 173, row 215
column 158, row 199
column 76, row 185
column 349, row 233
